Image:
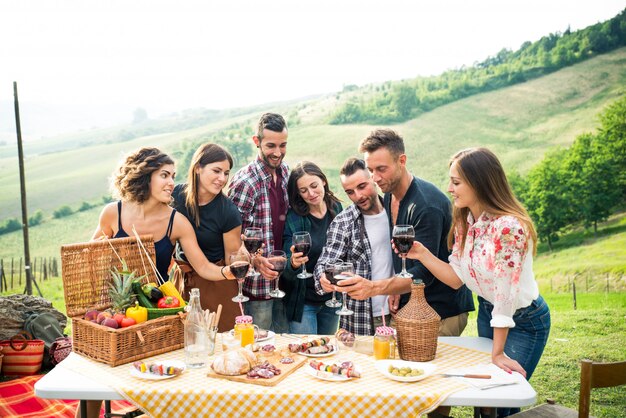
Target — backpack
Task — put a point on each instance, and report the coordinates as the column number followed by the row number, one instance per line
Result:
column 44, row 326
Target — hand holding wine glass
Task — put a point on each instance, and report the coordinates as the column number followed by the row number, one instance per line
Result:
column 403, row 237
column 278, row 260
column 253, row 240
column 329, row 272
column 302, row 244
column 239, row 266
column 343, row 271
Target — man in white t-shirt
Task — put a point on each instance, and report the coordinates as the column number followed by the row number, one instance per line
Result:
column 359, row 235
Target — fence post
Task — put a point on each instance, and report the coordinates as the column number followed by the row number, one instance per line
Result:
column 45, row 269
column 574, row 293
column 1, row 273
column 607, row 283
column 34, row 268
column 12, row 270
column 20, row 279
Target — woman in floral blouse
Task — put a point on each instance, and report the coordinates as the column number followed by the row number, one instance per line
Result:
column 493, row 241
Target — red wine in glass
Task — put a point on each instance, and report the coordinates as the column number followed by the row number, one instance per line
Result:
column 403, row 243
column 252, row 244
column 303, row 247
column 329, row 271
column 239, row 269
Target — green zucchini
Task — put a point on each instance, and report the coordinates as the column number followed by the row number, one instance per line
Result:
column 141, row 298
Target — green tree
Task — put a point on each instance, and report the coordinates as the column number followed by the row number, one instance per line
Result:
column 36, row 219
column 592, row 183
column 140, row 115
column 404, row 100
column 62, row 212
column 612, row 139
column 547, row 197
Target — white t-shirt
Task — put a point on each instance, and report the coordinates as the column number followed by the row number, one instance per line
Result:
column 377, row 227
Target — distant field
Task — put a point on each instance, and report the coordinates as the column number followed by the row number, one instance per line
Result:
column 519, row 123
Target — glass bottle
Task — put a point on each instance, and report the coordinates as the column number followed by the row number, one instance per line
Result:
column 384, row 343
column 196, row 336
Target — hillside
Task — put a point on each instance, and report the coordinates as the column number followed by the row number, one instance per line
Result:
column 520, row 123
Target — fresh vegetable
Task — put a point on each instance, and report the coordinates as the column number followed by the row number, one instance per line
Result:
column 152, row 292
column 119, row 317
column 169, row 289
column 141, row 297
column 127, row 322
column 168, row 302
column 138, row 313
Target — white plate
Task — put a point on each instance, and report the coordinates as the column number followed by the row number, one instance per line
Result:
column 330, row 353
column 270, row 335
column 383, row 367
column 150, row 376
column 327, row 375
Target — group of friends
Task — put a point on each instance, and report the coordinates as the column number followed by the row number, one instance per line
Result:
column 482, row 242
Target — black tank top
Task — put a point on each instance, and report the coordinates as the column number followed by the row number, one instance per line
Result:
column 163, row 248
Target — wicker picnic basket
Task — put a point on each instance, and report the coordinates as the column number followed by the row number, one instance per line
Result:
column 86, row 275
column 417, row 326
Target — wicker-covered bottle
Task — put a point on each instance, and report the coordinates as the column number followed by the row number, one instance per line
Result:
column 417, row 326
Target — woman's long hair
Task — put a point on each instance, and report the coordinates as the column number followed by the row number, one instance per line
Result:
column 482, row 171
column 205, row 154
column 296, row 201
column 131, row 180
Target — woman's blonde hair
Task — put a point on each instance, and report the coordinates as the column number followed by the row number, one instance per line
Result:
column 482, row 171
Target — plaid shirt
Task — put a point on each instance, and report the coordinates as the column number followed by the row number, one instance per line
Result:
column 249, row 192
column 347, row 240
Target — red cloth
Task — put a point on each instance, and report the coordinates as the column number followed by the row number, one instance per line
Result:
column 17, row 400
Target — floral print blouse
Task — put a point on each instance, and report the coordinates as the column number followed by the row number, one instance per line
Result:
column 497, row 264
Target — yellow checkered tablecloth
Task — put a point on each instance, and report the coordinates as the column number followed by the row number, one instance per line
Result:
column 194, row 394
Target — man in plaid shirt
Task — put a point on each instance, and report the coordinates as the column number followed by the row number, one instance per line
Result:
column 350, row 239
column 259, row 190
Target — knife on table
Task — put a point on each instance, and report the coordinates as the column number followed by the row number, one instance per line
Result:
column 469, row 376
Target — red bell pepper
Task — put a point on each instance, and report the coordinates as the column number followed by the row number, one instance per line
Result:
column 168, row 302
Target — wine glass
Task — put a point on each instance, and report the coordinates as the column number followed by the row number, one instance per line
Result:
column 329, row 271
column 342, row 271
column 239, row 266
column 403, row 237
column 302, row 242
column 252, row 240
column 278, row 260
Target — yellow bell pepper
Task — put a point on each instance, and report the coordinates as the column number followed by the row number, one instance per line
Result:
column 138, row 313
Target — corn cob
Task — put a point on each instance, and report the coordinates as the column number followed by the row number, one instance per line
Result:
column 169, row 289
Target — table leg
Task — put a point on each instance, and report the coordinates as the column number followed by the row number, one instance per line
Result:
column 83, row 408
column 107, row 408
column 485, row 412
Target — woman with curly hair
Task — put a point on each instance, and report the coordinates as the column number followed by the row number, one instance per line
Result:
column 144, row 183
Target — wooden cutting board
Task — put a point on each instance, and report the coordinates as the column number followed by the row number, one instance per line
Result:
column 285, row 370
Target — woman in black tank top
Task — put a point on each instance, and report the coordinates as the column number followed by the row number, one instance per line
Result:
column 144, row 183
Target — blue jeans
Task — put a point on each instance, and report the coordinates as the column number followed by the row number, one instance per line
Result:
column 268, row 314
column 316, row 320
column 526, row 341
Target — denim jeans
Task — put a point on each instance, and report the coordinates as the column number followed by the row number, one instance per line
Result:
column 320, row 320
column 268, row 314
column 526, row 341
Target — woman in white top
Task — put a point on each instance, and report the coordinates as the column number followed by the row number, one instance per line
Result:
column 493, row 242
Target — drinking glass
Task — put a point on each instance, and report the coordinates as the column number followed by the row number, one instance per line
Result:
column 278, row 260
column 302, row 242
column 403, row 237
column 342, row 271
column 253, row 240
column 239, row 266
column 329, row 271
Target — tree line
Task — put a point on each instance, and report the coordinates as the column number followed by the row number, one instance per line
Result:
column 583, row 183
column 400, row 101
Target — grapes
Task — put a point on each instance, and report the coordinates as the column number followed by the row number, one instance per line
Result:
column 405, row 371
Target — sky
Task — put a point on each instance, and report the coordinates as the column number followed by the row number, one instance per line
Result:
column 106, row 58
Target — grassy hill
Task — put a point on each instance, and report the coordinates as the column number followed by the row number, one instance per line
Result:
column 519, row 123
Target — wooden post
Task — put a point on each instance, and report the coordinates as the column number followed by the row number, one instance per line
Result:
column 574, row 293
column 45, row 269
column 1, row 273
column 12, row 270
column 607, row 283
column 20, row 277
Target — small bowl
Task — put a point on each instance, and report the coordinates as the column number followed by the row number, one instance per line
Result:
column 383, row 367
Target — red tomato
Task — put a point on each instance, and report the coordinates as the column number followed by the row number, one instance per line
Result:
column 119, row 317
column 127, row 322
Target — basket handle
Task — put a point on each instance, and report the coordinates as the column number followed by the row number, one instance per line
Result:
column 22, row 337
column 162, row 328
